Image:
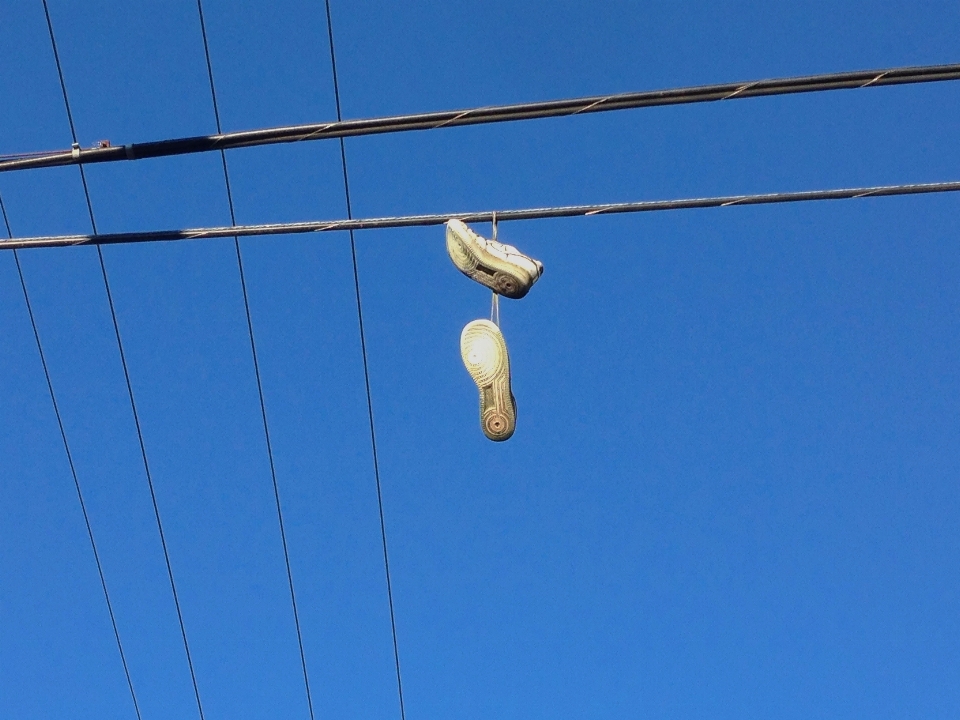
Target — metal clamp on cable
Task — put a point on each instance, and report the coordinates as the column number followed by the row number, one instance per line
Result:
column 76, row 151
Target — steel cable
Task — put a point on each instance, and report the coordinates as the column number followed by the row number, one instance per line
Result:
column 366, row 367
column 256, row 367
column 126, row 371
column 401, row 221
column 73, row 469
column 484, row 115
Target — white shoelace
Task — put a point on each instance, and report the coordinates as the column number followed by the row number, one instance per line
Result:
column 495, row 310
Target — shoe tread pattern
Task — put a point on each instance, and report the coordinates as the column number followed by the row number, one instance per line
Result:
column 500, row 276
column 484, row 353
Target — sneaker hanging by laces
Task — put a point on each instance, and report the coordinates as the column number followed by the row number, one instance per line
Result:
column 484, row 353
column 502, row 268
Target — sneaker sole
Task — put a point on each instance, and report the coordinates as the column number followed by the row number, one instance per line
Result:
column 477, row 264
column 484, row 353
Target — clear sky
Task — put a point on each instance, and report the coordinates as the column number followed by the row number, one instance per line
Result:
column 733, row 489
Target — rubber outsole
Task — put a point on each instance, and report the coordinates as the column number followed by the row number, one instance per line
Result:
column 484, row 353
column 496, row 274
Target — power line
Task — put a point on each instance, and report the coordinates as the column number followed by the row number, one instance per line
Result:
column 492, row 114
column 126, row 370
column 543, row 213
column 73, row 469
column 366, row 367
column 256, row 366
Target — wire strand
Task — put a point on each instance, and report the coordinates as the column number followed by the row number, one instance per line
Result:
column 256, row 368
column 126, row 371
column 492, row 114
column 543, row 213
column 366, row 367
column 70, row 463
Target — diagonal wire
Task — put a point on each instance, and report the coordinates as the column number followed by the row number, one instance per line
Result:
column 256, row 367
column 126, row 372
column 366, row 368
column 73, row 469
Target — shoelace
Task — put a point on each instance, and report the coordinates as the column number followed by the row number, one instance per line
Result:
column 495, row 310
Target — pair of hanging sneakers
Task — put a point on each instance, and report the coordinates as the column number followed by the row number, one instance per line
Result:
column 508, row 272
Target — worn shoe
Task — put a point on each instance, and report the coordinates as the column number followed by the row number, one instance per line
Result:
column 484, row 353
column 502, row 268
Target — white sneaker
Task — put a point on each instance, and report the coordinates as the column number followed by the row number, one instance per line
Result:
column 502, row 268
column 484, row 352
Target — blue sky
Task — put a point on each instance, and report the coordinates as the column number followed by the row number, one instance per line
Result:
column 733, row 487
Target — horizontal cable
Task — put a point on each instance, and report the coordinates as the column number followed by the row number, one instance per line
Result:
column 103, row 152
column 481, row 216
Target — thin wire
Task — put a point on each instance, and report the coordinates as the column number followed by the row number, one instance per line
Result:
column 403, row 221
column 126, row 371
column 73, row 469
column 256, row 367
column 493, row 114
column 366, row 367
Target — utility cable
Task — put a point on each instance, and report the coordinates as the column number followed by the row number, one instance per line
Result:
column 543, row 213
column 256, row 366
column 126, row 371
column 366, row 366
column 104, row 152
column 73, row 469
